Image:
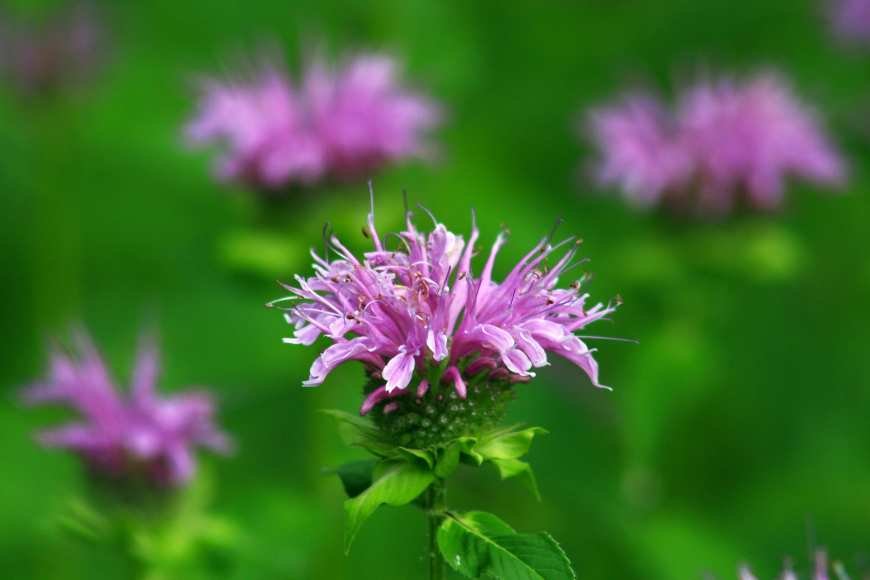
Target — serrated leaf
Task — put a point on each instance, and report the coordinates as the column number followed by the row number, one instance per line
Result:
column 395, row 484
column 480, row 545
column 356, row 476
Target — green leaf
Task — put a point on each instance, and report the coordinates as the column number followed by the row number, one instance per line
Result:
column 414, row 454
column 395, row 484
column 510, row 443
column 356, row 476
column 508, row 468
column 503, row 448
column 360, row 432
column 448, row 460
column 480, row 545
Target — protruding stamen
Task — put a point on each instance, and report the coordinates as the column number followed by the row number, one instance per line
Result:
column 326, row 234
column 559, row 222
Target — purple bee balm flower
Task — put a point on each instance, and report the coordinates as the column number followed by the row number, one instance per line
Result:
column 726, row 143
column 638, row 150
column 44, row 57
column 748, row 138
column 419, row 318
column 850, row 20
column 339, row 124
column 119, row 434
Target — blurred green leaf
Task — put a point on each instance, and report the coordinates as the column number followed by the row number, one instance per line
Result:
column 268, row 254
column 480, row 545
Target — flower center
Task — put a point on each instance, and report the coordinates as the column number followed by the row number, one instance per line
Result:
column 441, row 415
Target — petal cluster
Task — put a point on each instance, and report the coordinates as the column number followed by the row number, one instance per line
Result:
column 42, row 57
column 337, row 123
column 123, row 434
column 725, row 143
column 417, row 316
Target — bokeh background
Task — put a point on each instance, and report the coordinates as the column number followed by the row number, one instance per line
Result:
column 737, row 428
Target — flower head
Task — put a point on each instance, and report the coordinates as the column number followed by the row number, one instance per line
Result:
column 850, row 20
column 338, row 123
column 638, row 149
column 726, row 143
column 422, row 322
column 121, row 435
column 43, row 57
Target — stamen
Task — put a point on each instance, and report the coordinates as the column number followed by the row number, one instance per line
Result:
column 559, row 222
column 610, row 338
column 326, row 234
column 429, row 213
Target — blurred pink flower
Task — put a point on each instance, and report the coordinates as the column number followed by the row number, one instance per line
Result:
column 340, row 123
column 726, row 143
column 419, row 309
column 46, row 56
column 850, row 20
column 639, row 151
column 120, row 435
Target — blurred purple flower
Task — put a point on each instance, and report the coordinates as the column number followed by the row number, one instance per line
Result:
column 122, row 435
column 44, row 57
column 850, row 20
column 639, row 152
column 725, row 143
column 748, row 138
column 821, row 570
column 341, row 123
column 420, row 309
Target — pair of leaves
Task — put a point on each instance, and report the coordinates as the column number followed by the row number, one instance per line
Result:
column 401, row 474
column 480, row 545
column 502, row 447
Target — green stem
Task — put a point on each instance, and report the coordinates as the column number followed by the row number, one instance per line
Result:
column 435, row 506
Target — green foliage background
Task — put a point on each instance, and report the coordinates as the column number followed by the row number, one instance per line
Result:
column 737, row 428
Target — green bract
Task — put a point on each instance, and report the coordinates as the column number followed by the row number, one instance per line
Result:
column 441, row 416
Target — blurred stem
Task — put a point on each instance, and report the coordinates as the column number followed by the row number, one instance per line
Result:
column 435, row 506
column 57, row 214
